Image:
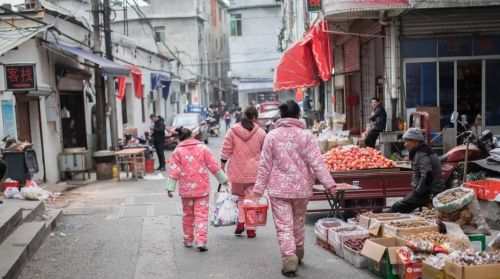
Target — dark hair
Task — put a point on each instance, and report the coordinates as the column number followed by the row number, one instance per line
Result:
column 248, row 115
column 152, row 115
column 183, row 133
column 376, row 99
column 289, row 109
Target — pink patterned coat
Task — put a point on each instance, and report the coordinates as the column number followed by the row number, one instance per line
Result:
column 242, row 150
column 190, row 164
column 289, row 161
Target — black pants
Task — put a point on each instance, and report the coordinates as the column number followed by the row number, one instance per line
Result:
column 371, row 138
column 411, row 202
column 160, row 151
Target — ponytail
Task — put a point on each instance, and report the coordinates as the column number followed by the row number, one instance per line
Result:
column 249, row 114
column 183, row 133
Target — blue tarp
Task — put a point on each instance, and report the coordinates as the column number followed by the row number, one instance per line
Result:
column 161, row 80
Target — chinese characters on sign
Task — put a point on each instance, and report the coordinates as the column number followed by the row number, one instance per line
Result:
column 20, row 77
column 314, row 5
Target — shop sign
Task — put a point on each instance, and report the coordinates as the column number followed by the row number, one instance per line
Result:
column 342, row 6
column 20, row 77
column 313, row 5
column 8, row 118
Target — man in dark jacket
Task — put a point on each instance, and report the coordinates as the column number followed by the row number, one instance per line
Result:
column 158, row 136
column 426, row 179
column 378, row 119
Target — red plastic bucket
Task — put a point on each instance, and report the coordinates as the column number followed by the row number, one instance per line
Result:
column 255, row 215
column 150, row 165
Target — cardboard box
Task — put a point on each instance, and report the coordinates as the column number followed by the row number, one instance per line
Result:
column 434, row 117
column 432, row 272
column 408, row 269
column 478, row 241
column 456, row 271
column 429, row 227
column 373, row 223
column 382, row 256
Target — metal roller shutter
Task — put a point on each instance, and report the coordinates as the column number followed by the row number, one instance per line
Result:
column 351, row 55
column 450, row 21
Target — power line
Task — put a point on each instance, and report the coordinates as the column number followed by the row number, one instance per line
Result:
column 236, row 62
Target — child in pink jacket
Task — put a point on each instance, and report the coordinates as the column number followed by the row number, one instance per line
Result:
column 289, row 163
column 190, row 164
column 241, row 151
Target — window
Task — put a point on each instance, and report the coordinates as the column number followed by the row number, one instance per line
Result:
column 143, row 110
column 417, row 48
column 220, row 14
column 449, row 47
column 236, row 25
column 421, row 85
column 446, row 92
column 487, row 45
column 492, row 93
column 159, row 33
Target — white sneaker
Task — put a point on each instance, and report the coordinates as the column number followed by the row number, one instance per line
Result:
column 188, row 244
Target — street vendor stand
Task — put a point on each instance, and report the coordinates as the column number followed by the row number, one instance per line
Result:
column 132, row 159
column 376, row 186
column 335, row 201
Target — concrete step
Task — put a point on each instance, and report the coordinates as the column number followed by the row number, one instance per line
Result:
column 31, row 209
column 19, row 247
column 50, row 217
column 10, row 218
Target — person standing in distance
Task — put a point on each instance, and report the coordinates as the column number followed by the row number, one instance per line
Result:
column 308, row 105
column 158, row 131
column 378, row 119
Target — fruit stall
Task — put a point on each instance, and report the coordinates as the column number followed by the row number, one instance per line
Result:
column 378, row 177
column 446, row 240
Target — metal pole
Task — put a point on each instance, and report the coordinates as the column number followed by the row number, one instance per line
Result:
column 466, row 159
column 110, row 82
column 99, row 82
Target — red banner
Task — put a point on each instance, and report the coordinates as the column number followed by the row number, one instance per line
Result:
column 360, row 5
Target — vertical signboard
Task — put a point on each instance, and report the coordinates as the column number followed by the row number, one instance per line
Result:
column 8, row 118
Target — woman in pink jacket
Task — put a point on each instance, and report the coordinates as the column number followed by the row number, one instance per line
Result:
column 290, row 161
column 241, row 151
column 190, row 164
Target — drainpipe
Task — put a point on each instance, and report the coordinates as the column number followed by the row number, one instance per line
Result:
column 394, row 89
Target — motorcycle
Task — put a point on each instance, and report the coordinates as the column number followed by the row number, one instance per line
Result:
column 454, row 163
column 213, row 127
column 171, row 139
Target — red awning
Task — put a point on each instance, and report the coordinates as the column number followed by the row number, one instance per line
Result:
column 322, row 50
column 296, row 67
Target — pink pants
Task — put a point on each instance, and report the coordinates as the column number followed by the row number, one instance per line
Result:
column 195, row 219
column 289, row 217
column 242, row 190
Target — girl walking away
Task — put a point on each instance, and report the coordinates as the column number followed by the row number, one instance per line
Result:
column 227, row 118
column 189, row 166
column 241, row 152
column 290, row 161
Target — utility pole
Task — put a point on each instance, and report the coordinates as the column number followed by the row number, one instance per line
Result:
column 99, row 83
column 110, row 81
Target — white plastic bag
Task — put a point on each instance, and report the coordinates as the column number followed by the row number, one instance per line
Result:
column 10, row 192
column 225, row 211
column 36, row 193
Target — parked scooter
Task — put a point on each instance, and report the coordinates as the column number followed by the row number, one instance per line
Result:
column 454, row 162
column 213, row 127
column 171, row 139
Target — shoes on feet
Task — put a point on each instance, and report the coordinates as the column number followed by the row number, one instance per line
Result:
column 202, row 247
column 299, row 251
column 240, row 228
column 188, row 244
column 162, row 169
column 251, row 234
column 290, row 266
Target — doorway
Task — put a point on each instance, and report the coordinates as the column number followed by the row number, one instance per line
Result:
column 469, row 89
column 73, row 119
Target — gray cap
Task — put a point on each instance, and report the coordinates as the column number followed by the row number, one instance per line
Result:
column 413, row 134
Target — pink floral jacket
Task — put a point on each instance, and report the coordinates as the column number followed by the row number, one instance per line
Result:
column 289, row 161
column 190, row 164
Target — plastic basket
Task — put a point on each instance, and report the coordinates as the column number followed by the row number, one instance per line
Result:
column 150, row 165
column 485, row 189
column 255, row 215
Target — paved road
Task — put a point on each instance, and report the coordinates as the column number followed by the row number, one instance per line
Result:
column 132, row 230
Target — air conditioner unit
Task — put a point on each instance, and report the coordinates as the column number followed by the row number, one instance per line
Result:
column 174, row 98
column 153, row 95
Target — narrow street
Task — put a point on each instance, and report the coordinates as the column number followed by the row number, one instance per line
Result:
column 133, row 230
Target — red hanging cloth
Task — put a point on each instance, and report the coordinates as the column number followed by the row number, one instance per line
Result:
column 122, row 82
column 296, row 67
column 137, row 80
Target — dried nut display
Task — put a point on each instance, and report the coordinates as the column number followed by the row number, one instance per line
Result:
column 452, row 196
column 426, row 214
column 432, row 237
column 471, row 257
column 408, row 224
column 356, row 244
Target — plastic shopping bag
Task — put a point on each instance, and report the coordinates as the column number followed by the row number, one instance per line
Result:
column 225, row 211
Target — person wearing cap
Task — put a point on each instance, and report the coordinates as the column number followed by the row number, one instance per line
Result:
column 426, row 180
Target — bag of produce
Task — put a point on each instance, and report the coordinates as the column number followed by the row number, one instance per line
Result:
column 453, row 199
column 457, row 240
column 469, row 218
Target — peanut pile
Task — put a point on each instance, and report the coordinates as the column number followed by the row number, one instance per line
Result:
column 432, row 237
column 426, row 214
column 408, row 224
column 452, row 196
